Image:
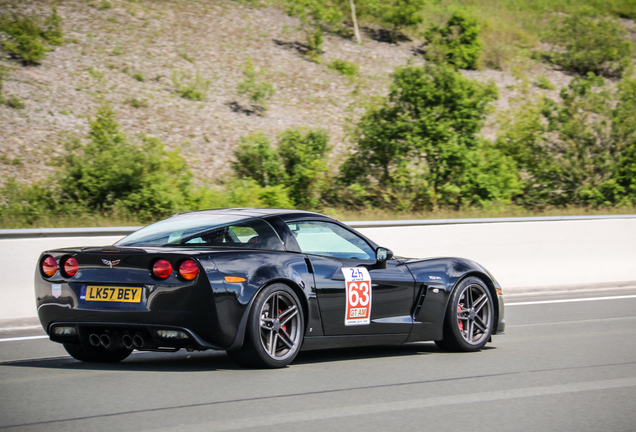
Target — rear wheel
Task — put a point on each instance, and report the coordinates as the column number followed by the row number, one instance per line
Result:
column 469, row 318
column 98, row 354
column 275, row 329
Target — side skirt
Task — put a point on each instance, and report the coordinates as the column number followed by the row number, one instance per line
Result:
column 326, row 342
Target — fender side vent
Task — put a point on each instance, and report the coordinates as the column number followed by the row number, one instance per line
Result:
column 310, row 268
column 421, row 295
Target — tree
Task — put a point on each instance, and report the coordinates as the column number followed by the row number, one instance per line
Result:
column 589, row 44
column 422, row 141
column 256, row 159
column 624, row 134
column 110, row 172
column 298, row 164
column 303, row 152
column 567, row 151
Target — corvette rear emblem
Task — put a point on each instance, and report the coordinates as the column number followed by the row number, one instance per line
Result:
column 110, row 263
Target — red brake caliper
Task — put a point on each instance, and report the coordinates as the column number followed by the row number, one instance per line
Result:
column 284, row 327
column 461, row 324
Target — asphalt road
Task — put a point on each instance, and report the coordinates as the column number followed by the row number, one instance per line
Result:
column 562, row 366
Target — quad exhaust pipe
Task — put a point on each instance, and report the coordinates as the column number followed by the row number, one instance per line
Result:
column 113, row 342
column 94, row 340
column 109, row 341
column 127, row 340
column 139, row 341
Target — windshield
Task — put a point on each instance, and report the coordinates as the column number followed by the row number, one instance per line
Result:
column 207, row 230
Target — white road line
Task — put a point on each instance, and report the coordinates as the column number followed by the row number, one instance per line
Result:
column 23, row 338
column 18, row 328
column 409, row 404
column 570, row 300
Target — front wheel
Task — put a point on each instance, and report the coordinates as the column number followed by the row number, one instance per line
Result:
column 99, row 354
column 275, row 329
column 469, row 319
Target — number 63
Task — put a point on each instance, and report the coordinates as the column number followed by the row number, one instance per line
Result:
column 359, row 294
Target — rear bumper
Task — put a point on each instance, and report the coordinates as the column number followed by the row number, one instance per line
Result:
column 207, row 314
column 149, row 333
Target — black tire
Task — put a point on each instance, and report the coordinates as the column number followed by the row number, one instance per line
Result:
column 469, row 319
column 99, row 354
column 275, row 329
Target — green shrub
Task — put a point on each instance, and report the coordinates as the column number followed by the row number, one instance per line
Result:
column 544, row 83
column 304, row 156
column 419, row 149
column 321, row 13
column 396, row 14
column 257, row 90
column 193, row 88
column 456, row 43
column 343, row 67
column 335, row 15
column 13, row 102
column 298, row 165
column 138, row 103
column 138, row 76
column 256, row 159
column 567, row 152
column 25, row 42
column 28, row 36
column 587, row 44
column 22, row 205
column 110, row 173
column 624, row 134
column 53, row 32
column 314, row 40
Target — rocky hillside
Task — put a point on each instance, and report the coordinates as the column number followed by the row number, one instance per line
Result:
column 137, row 55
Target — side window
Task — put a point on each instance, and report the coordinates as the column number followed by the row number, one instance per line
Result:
column 329, row 239
column 254, row 234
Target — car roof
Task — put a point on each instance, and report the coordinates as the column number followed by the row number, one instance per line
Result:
column 287, row 215
column 256, row 212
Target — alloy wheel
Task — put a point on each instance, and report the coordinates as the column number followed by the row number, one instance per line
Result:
column 280, row 326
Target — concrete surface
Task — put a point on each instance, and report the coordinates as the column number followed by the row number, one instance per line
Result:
column 18, row 258
column 563, row 367
column 531, row 254
column 521, row 255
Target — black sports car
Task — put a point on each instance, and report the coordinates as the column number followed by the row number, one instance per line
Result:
column 260, row 284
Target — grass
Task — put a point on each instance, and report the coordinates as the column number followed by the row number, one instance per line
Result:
column 193, row 88
column 506, row 212
column 72, row 221
column 544, row 83
column 14, row 102
column 343, row 67
column 510, row 27
column 109, row 220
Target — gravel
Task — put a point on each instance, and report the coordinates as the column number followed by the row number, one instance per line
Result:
column 158, row 40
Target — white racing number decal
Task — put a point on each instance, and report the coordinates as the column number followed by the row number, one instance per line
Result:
column 358, row 284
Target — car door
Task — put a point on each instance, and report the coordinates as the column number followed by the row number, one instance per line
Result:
column 335, row 252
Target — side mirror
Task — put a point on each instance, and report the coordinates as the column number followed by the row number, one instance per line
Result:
column 383, row 254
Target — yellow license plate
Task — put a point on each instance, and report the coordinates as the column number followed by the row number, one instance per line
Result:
column 113, row 294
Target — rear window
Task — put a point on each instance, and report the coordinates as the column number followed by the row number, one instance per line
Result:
column 206, row 230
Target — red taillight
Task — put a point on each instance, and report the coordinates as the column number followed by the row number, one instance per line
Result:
column 162, row 269
column 188, row 270
column 70, row 267
column 49, row 266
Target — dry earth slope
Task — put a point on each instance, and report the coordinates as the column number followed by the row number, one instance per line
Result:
column 128, row 55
